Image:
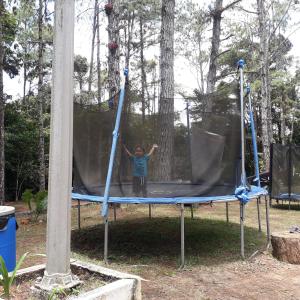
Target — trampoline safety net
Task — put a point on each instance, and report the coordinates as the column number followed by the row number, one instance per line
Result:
column 285, row 170
column 202, row 159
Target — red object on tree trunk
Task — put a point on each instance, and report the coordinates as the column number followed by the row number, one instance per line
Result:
column 113, row 46
column 108, row 8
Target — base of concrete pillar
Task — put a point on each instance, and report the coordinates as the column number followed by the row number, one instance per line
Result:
column 60, row 281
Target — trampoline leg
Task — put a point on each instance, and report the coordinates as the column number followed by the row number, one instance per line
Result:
column 150, row 212
column 115, row 212
column 182, row 235
column 267, row 222
column 227, row 212
column 78, row 214
column 289, row 204
column 192, row 211
column 106, row 239
column 258, row 214
column 242, row 210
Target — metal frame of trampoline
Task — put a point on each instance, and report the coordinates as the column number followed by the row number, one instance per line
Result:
column 257, row 192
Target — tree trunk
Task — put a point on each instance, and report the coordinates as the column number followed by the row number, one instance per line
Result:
column 283, row 118
column 114, row 56
column 25, row 67
column 2, row 107
column 143, row 73
column 265, row 91
column 41, row 99
column 166, row 103
column 99, row 88
column 286, row 247
column 215, row 45
column 90, row 80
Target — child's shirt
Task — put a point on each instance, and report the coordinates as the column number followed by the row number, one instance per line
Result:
column 140, row 165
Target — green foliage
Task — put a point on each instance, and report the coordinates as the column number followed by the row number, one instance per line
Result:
column 27, row 197
column 6, row 280
column 39, row 200
column 57, row 293
column 11, row 62
column 21, row 148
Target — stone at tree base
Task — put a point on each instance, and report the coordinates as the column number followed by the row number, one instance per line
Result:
column 286, row 247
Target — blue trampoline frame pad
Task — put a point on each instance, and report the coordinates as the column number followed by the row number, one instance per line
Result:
column 252, row 194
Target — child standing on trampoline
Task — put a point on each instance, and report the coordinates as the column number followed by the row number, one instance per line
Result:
column 140, row 169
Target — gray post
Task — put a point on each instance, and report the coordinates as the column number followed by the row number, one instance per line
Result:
column 227, row 212
column 182, row 235
column 267, row 222
column 106, row 239
column 242, row 211
column 78, row 214
column 258, row 214
column 58, row 273
column 115, row 212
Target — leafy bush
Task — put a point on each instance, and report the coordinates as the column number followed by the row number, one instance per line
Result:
column 27, row 197
column 39, row 199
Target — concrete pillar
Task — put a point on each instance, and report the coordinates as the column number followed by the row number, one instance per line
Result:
column 57, row 271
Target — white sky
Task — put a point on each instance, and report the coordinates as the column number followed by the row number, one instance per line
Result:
column 183, row 73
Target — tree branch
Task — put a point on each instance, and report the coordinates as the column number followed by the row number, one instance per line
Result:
column 247, row 11
column 281, row 20
column 230, row 5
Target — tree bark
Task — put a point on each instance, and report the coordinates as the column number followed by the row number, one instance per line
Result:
column 114, row 56
column 25, row 67
column 215, row 45
column 266, row 119
column 42, row 181
column 90, row 80
column 99, row 87
column 283, row 118
column 166, row 103
column 286, row 247
column 2, row 108
column 143, row 73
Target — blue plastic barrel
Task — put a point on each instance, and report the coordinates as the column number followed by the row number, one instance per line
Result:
column 8, row 228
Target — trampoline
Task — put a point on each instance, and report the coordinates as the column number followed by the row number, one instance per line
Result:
column 201, row 160
column 285, row 173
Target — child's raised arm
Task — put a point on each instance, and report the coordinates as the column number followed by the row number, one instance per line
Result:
column 152, row 149
column 127, row 151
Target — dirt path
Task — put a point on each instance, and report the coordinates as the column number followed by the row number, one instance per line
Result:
column 263, row 278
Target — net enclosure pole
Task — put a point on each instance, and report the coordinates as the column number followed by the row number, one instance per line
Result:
column 253, row 133
column 111, row 165
column 241, row 64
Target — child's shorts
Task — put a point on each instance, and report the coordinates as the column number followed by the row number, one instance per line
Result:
column 139, row 186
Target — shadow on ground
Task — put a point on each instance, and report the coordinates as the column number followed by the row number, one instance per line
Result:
column 144, row 241
column 294, row 205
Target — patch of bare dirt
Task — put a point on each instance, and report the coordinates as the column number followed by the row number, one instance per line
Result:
column 262, row 278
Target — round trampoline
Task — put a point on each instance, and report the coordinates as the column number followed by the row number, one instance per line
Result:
column 186, row 156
